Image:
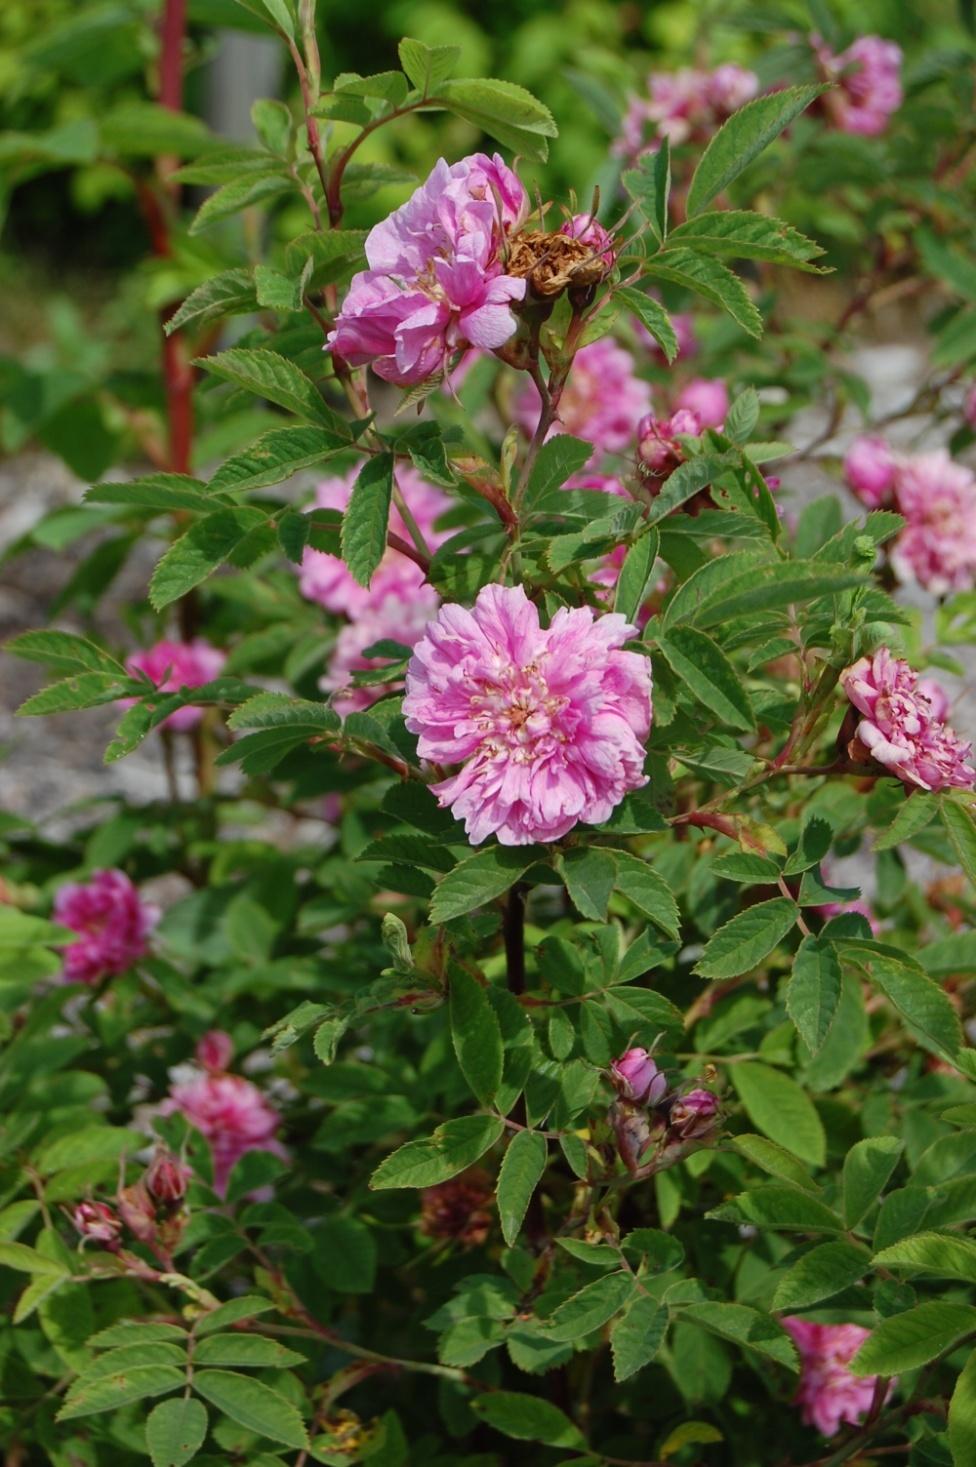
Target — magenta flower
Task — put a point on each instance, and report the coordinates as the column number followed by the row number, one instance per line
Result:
column 436, row 280
column 602, row 402
column 828, row 1393
column 325, row 578
column 870, row 469
column 707, row 398
column 215, row 1050
column 658, row 450
column 683, row 106
column 96, row 1222
column 547, row 725
column 868, row 77
column 171, row 666
column 592, row 233
column 396, row 620
column 899, row 728
column 937, row 547
column 112, row 923
column 231, row 1114
column 638, row 1078
column 693, row 1115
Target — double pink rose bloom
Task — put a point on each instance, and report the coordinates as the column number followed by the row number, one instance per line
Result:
column 903, row 726
column 112, row 922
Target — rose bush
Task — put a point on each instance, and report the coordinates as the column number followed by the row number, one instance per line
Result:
column 541, row 1011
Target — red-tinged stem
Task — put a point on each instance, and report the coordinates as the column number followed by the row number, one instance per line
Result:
column 172, row 33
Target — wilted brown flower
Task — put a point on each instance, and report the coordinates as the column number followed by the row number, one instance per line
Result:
column 460, row 1209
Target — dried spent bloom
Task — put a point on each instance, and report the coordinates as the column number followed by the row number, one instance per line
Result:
column 868, row 90
column 112, row 924
column 231, row 1114
column 590, row 232
column 460, row 1209
column 693, row 1115
column 326, row 579
column 707, row 398
column 548, row 725
column 638, row 1078
column 602, row 402
column 550, row 263
column 684, row 106
column 870, row 469
column 899, row 728
column 395, row 619
column 436, row 280
column 937, row 547
column 166, row 1178
column 96, row 1222
column 214, row 1050
column 828, row 1393
column 171, row 666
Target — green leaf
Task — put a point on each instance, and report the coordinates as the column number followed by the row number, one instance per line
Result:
column 637, row 1336
column 747, row 938
column 281, row 14
column 156, row 491
column 744, row 235
column 648, row 891
column 961, row 830
column 226, row 294
column 913, row 815
column 364, row 524
column 27, row 1260
column 346, row 1255
column 652, row 315
column 590, row 874
column 947, row 1255
column 479, row 879
column 282, row 724
column 64, row 652
column 246, row 1307
column 742, row 417
column 504, row 111
column 867, row 1169
column 708, row 675
column 742, row 138
column 175, row 1431
column 558, row 460
column 778, row 1107
column 824, row 1271
column 90, row 1395
column 688, row 478
column 767, row 587
column 962, row 1416
column 772, row 1205
column 813, row 992
column 528, row 1418
column 275, row 456
column 431, row 1159
column 252, row 1405
column 273, row 377
column 649, row 185
column 476, row 1035
column 427, row 66
column 925, row 1006
column 277, row 291
column 905, row 1341
column 206, row 545
column 87, row 690
column 745, row 1327
column 146, row 129
column 126, row 1334
column 521, row 1170
column 634, row 579
column 239, row 1349
column 590, row 1308
column 709, row 278
column 240, row 193
column 775, row 1159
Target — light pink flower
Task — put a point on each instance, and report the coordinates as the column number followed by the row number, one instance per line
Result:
column 708, row 398
column 112, row 923
column 602, row 401
column 394, row 620
column 638, row 1078
column 325, row 578
column 547, row 725
column 868, row 77
column 171, row 666
column 683, row 106
column 231, row 1114
column 436, row 280
column 899, row 728
column 828, row 1393
column 592, row 233
column 870, row 468
column 937, row 547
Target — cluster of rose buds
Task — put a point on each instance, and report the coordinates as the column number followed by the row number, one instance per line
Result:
column 653, row 1126
column 936, row 497
column 151, row 1209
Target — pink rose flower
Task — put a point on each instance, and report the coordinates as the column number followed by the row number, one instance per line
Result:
column 869, row 88
column 112, row 924
column 870, row 469
column 325, row 578
column 828, row 1393
column 693, row 1115
column 899, row 728
column 547, row 725
column 231, row 1114
column 215, row 1050
column 937, row 547
column 707, row 398
column 638, row 1078
column 658, row 451
column 395, row 620
column 436, row 280
column 592, row 233
column 683, row 106
column 96, row 1222
column 602, row 401
column 171, row 666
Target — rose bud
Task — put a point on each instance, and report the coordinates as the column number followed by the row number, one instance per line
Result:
column 215, row 1050
column 870, row 470
column 635, row 1131
column 694, row 1114
column 166, row 1178
column 137, row 1212
column 98, row 1223
column 638, row 1078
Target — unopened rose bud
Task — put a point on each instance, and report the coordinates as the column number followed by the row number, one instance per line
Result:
column 685, row 422
column 166, row 1178
column 587, row 229
column 638, row 1078
column 137, row 1212
column 98, row 1223
column 635, row 1131
column 215, row 1050
column 694, row 1114
column 657, row 452
column 708, row 398
column 870, row 470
